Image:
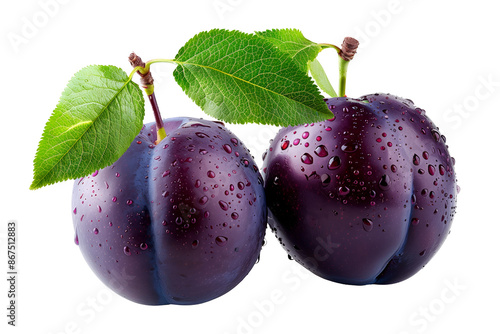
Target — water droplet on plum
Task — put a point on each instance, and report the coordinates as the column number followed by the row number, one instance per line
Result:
column 306, row 158
column 349, row 147
column 343, row 191
column 227, row 148
column 127, row 251
column 201, row 135
column 325, row 179
column 223, row 205
column 436, row 135
column 220, row 240
column 194, row 124
column 321, row 151
column 245, row 162
column 385, row 182
column 367, row 224
column 432, row 170
column 416, row 160
column 203, row 200
column 442, row 170
column 334, row 162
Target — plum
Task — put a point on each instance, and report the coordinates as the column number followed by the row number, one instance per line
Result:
column 367, row 197
column 180, row 222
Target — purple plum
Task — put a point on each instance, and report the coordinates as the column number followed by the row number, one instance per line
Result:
column 367, row 197
column 180, row 222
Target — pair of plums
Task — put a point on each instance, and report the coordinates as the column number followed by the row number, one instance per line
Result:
column 366, row 197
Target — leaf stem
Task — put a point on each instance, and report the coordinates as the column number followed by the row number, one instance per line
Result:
column 159, row 60
column 327, row 45
column 147, row 84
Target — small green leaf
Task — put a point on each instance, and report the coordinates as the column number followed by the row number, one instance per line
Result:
column 319, row 75
column 97, row 117
column 293, row 42
column 239, row 78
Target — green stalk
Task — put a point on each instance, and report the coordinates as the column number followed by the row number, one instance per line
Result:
column 342, row 75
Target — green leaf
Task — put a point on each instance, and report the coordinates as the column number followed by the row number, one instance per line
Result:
column 239, row 78
column 97, row 117
column 319, row 75
column 293, row 42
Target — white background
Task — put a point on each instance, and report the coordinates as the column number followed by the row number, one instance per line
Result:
column 443, row 55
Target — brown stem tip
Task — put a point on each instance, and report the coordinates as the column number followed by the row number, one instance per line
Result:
column 349, row 47
column 146, row 79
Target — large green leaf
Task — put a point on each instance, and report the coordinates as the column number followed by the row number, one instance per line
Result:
column 239, row 78
column 97, row 117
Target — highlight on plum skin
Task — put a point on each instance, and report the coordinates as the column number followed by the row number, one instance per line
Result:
column 181, row 222
column 367, row 197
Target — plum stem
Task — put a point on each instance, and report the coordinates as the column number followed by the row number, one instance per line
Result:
column 147, row 84
column 342, row 76
column 160, row 130
column 349, row 47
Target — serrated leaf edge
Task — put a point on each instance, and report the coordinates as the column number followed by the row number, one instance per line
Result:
column 40, row 183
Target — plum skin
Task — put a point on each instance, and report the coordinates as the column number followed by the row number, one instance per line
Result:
column 181, row 222
column 367, row 197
